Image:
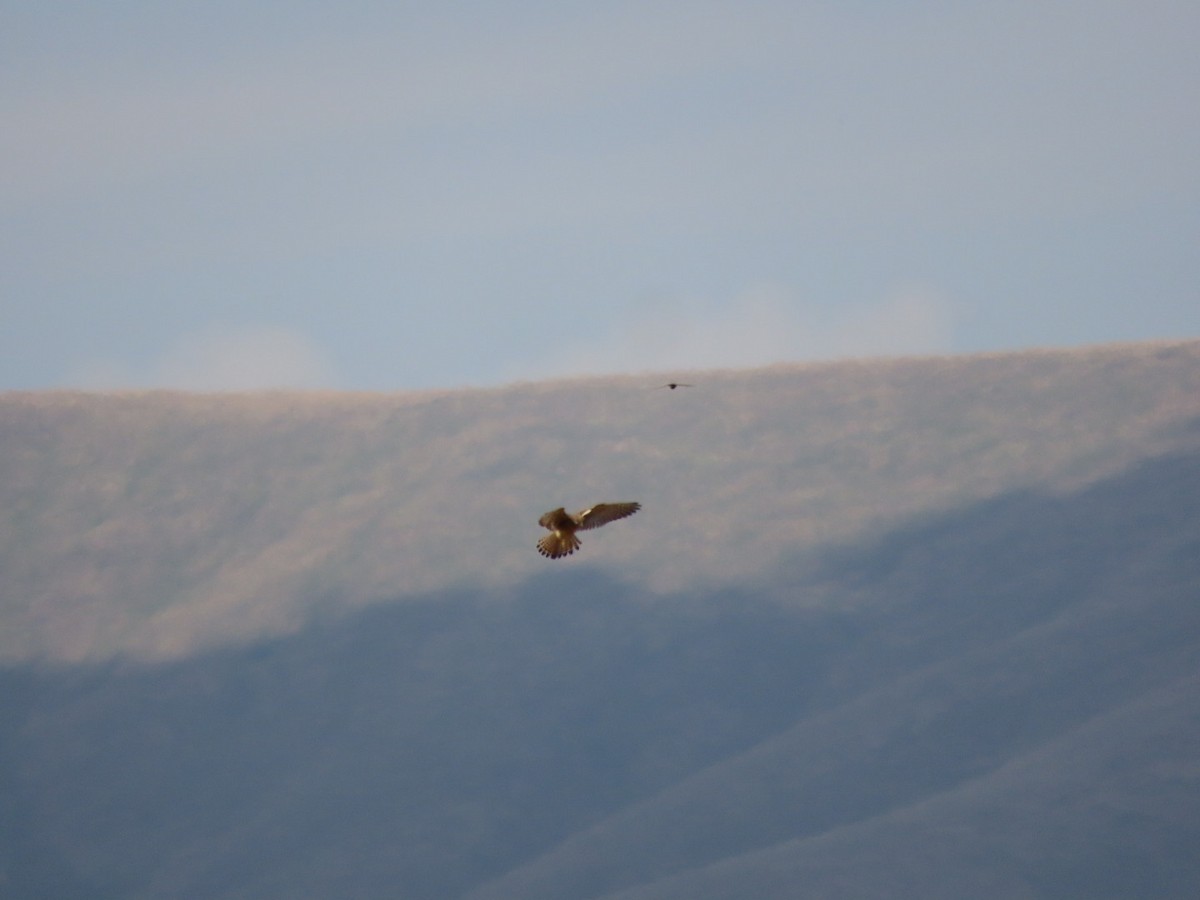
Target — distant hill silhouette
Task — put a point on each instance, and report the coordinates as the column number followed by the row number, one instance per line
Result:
column 983, row 684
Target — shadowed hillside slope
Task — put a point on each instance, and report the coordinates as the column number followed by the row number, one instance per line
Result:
column 994, row 701
column 1008, row 682
column 155, row 525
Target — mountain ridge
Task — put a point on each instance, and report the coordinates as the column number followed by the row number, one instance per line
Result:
column 939, row 636
column 154, row 525
column 928, row 878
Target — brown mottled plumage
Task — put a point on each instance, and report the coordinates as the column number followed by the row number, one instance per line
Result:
column 562, row 525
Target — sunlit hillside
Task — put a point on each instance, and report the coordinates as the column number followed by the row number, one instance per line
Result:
column 154, row 524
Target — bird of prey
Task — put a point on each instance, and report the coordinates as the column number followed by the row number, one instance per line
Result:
column 674, row 384
column 561, row 540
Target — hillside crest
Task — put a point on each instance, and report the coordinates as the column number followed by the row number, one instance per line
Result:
column 157, row 524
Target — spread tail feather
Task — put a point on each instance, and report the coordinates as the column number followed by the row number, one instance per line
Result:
column 558, row 544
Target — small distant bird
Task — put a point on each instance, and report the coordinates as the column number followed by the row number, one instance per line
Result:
column 562, row 541
column 674, row 384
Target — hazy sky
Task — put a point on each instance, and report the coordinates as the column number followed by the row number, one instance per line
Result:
column 398, row 195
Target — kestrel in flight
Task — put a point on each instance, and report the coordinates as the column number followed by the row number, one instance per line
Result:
column 561, row 540
column 675, row 384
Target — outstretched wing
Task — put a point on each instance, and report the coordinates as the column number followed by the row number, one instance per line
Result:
column 603, row 513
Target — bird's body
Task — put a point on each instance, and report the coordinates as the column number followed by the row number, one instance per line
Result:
column 562, row 526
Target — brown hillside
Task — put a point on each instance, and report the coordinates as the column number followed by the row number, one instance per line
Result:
column 157, row 523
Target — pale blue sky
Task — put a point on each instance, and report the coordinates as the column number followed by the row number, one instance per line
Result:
column 392, row 196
